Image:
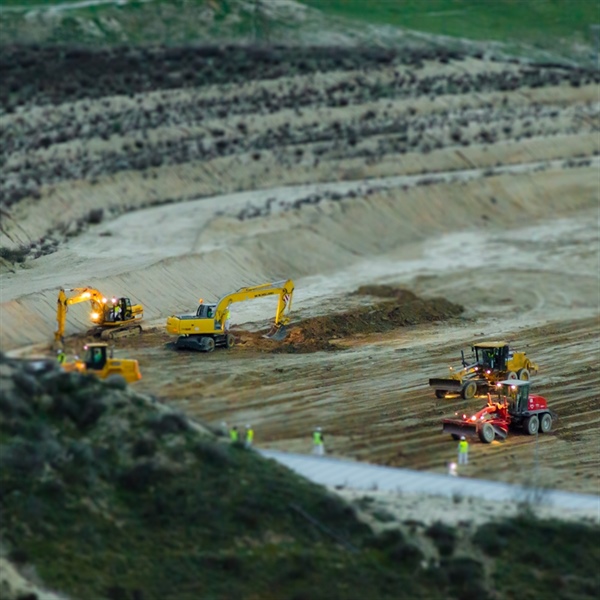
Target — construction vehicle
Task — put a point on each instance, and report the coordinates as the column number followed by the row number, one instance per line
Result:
column 514, row 408
column 100, row 362
column 491, row 362
column 205, row 330
column 112, row 318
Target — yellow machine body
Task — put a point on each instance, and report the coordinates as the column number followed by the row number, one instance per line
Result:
column 491, row 362
column 205, row 329
column 99, row 361
column 112, row 317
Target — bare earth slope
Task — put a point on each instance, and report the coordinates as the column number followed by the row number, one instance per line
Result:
column 453, row 177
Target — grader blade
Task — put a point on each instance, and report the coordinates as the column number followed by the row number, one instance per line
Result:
column 458, row 428
column 449, row 385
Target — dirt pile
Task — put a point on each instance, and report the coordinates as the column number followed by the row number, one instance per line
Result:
column 401, row 308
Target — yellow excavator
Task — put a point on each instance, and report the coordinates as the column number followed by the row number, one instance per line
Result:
column 207, row 328
column 114, row 317
column 99, row 361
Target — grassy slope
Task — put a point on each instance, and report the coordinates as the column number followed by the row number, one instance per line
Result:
column 555, row 26
column 534, row 21
column 110, row 498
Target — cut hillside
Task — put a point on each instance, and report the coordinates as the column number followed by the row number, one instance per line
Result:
column 106, row 493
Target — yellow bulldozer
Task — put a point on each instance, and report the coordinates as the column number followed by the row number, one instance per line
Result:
column 207, row 328
column 491, row 362
column 98, row 360
column 114, row 317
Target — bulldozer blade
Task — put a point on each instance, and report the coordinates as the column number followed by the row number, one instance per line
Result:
column 278, row 333
column 459, row 428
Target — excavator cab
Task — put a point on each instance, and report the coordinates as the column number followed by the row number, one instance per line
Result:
column 206, row 311
column 118, row 310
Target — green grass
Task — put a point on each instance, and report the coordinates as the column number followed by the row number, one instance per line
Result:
column 560, row 559
column 539, row 22
column 556, row 26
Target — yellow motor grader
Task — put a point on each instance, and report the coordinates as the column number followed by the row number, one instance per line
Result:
column 491, row 362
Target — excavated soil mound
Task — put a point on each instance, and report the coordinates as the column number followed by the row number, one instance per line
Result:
column 401, row 308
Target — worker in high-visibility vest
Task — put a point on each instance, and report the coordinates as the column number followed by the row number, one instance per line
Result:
column 318, row 442
column 463, row 451
column 61, row 357
column 234, row 435
column 227, row 318
column 249, row 436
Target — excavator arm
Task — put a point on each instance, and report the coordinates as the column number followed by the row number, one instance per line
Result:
column 205, row 329
column 86, row 294
column 103, row 315
column 285, row 290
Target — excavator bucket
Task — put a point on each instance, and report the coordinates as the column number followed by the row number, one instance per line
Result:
column 277, row 333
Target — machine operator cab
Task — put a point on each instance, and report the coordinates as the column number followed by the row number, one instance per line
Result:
column 207, row 311
column 492, row 355
column 95, row 356
column 118, row 309
column 516, row 394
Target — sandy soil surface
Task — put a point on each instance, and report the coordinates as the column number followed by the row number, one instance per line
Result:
column 486, row 199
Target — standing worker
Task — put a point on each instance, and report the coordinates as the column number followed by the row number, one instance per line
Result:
column 463, row 451
column 234, row 436
column 249, row 436
column 116, row 310
column 227, row 318
column 318, row 446
column 61, row 356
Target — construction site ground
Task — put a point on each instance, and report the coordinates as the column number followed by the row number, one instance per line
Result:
column 478, row 203
column 360, row 370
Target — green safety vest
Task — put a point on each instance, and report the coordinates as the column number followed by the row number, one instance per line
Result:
column 233, row 434
column 317, row 438
column 250, row 435
column 61, row 358
column 463, row 446
column 227, row 314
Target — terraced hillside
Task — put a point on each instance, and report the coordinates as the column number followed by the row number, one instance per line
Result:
column 130, row 128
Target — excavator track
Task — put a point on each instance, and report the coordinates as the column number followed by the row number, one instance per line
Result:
column 120, row 332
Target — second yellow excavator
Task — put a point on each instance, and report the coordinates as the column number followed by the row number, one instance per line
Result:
column 114, row 317
column 207, row 329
